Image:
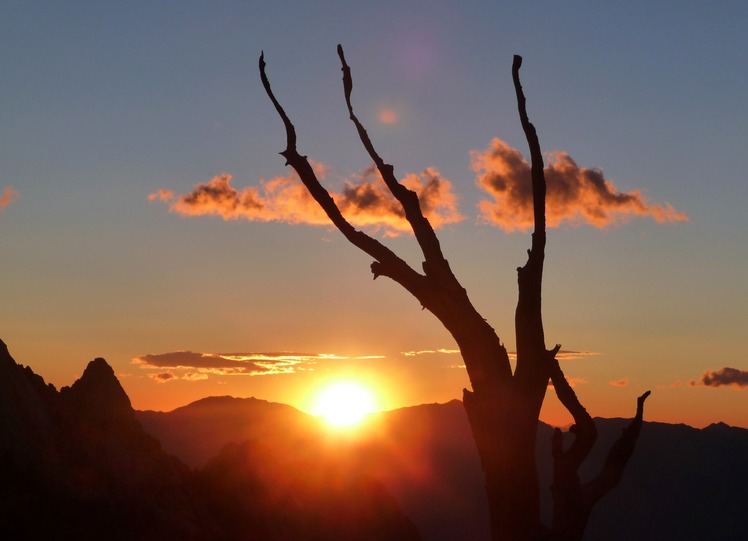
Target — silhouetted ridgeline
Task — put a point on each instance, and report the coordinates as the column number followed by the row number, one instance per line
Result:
column 76, row 464
column 681, row 483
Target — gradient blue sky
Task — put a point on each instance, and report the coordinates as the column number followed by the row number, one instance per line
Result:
column 103, row 103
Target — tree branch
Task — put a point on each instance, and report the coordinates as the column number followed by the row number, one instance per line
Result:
column 408, row 199
column 618, row 456
column 396, row 269
column 572, row 501
column 584, row 429
column 536, row 156
column 532, row 370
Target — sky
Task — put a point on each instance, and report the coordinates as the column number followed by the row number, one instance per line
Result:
column 146, row 216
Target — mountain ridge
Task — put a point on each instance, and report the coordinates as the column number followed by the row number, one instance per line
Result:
column 81, row 462
column 425, row 457
column 77, row 464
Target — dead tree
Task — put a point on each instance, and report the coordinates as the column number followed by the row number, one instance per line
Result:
column 503, row 406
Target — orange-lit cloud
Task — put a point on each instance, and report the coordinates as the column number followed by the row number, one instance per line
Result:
column 573, row 381
column 162, row 377
column 568, row 355
column 562, row 355
column 8, row 196
column 192, row 366
column 574, row 194
column 364, row 200
column 620, row 382
column 430, row 352
column 724, row 377
column 245, row 364
column 161, row 195
column 676, row 385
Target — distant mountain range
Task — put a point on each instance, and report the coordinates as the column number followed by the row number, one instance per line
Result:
column 81, row 463
column 681, row 483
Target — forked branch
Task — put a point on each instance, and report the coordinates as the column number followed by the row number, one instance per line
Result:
column 387, row 262
column 407, row 198
column 572, row 500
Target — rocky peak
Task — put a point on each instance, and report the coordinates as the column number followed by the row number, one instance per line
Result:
column 98, row 393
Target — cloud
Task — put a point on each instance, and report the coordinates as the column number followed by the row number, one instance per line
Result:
column 244, row 364
column 620, row 382
column 364, row 200
column 8, row 196
column 194, row 376
column 192, row 366
column 724, row 377
column 562, row 355
column 574, row 194
column 161, row 195
column 573, row 381
column 570, row 355
column 676, row 385
column 161, row 377
column 430, row 351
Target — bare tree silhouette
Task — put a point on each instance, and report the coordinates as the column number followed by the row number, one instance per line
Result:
column 503, row 406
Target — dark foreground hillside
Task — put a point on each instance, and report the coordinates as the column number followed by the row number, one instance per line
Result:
column 681, row 483
column 76, row 464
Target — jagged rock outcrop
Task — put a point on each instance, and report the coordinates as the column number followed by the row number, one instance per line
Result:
column 76, row 464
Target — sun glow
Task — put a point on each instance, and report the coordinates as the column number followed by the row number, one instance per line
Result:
column 344, row 404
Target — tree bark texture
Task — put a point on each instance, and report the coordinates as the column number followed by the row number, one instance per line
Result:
column 503, row 406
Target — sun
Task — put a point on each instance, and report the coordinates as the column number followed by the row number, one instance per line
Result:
column 344, row 404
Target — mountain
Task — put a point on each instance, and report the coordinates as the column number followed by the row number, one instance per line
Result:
column 423, row 455
column 198, row 431
column 681, row 483
column 76, row 464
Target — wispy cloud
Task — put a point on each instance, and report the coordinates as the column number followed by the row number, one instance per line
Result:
column 8, row 196
column 431, row 352
column 620, row 382
column 724, row 377
column 675, row 385
column 574, row 194
column 570, row 355
column 573, row 381
column 162, row 377
column 562, row 355
column 364, row 200
column 238, row 364
column 192, row 366
column 161, row 195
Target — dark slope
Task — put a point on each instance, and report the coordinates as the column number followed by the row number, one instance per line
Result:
column 76, row 464
column 681, row 483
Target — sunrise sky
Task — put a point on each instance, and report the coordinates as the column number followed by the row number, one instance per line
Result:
column 147, row 218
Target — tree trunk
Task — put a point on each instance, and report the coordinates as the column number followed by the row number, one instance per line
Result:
column 506, row 446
